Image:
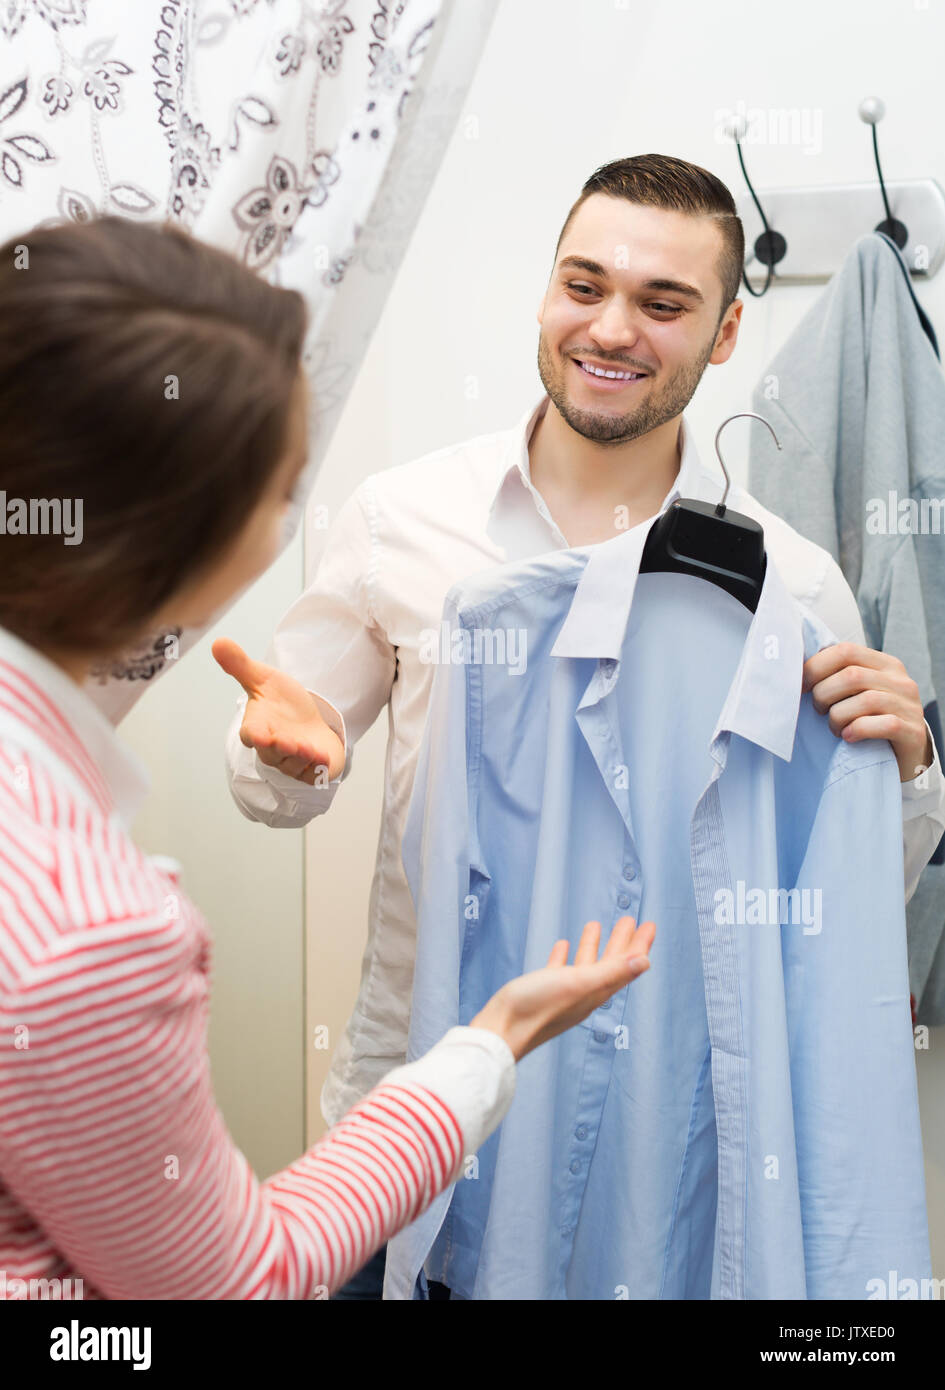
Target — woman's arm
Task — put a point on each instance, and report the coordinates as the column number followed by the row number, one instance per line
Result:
column 110, row 1137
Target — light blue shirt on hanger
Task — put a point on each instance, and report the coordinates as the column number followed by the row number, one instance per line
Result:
column 742, row 1122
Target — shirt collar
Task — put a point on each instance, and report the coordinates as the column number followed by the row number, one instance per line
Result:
column 764, row 697
column 38, row 699
column 690, row 481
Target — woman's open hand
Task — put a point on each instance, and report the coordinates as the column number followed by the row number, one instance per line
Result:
column 535, row 1007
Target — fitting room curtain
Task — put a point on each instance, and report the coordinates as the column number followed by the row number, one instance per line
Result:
column 303, row 137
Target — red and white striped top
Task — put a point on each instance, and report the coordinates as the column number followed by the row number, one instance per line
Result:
column 116, row 1166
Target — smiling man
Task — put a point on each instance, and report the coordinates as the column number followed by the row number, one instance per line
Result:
column 642, row 298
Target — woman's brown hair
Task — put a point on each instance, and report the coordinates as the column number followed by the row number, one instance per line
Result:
column 149, row 375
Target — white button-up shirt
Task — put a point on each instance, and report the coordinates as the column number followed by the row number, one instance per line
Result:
column 359, row 638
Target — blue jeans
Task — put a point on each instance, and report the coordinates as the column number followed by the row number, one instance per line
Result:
column 368, row 1283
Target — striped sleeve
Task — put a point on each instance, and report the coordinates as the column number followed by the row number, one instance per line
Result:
column 110, row 1138
column 383, row 1164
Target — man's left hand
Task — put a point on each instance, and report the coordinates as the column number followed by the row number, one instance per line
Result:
column 868, row 694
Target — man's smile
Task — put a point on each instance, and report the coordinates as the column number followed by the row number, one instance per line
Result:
column 604, row 377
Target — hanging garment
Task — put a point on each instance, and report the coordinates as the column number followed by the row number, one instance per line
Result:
column 742, row 1122
column 856, row 397
column 302, row 139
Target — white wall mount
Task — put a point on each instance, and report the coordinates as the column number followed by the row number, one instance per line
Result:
column 821, row 224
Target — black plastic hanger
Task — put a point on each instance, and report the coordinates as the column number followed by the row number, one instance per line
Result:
column 711, row 541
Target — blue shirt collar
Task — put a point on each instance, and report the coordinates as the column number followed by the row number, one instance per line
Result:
column 764, row 698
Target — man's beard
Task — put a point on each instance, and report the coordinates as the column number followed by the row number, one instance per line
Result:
column 605, row 428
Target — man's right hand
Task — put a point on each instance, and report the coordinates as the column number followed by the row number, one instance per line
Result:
column 282, row 720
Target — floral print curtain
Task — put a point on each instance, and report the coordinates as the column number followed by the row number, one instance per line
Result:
column 301, row 135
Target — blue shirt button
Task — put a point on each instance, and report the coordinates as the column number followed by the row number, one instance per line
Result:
column 575, row 1165
column 581, row 1132
column 623, row 900
column 601, row 1037
column 629, row 871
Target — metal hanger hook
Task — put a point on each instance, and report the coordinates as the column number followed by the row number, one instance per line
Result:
column 741, row 415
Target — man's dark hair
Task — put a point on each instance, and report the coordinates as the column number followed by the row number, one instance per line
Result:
column 660, row 181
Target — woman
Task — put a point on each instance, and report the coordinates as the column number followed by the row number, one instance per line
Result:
column 151, row 392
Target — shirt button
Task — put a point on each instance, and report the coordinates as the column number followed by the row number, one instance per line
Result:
column 607, row 666
column 629, row 871
column 581, row 1132
column 600, row 1037
column 623, row 900
column 575, row 1165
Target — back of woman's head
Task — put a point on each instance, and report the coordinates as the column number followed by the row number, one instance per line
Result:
column 150, row 376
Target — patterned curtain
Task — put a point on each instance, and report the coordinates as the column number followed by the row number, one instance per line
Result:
column 301, row 135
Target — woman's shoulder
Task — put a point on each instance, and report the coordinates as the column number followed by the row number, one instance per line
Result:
column 78, row 888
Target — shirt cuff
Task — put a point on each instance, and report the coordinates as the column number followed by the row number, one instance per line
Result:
column 925, row 793
column 333, row 718
column 293, row 786
column 472, row 1071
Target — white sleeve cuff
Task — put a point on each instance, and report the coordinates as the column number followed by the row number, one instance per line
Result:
column 332, row 717
column 472, row 1070
column 925, row 794
column 320, row 794
column 923, row 819
column 263, row 793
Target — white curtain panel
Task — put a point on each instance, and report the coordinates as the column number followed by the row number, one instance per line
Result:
column 303, row 137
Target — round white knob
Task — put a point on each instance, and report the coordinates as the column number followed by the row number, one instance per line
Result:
column 872, row 110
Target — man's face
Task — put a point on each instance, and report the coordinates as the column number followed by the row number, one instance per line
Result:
column 643, row 297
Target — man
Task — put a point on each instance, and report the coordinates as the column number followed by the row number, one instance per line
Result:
column 642, row 297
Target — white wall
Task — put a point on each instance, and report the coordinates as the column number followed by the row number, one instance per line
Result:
column 564, row 87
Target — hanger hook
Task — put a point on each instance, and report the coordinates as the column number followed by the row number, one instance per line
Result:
column 746, row 415
column 770, row 247
column 871, row 110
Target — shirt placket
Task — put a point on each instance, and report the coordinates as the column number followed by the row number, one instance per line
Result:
column 710, row 872
column 596, row 718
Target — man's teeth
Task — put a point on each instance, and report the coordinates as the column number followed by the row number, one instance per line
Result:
column 599, row 371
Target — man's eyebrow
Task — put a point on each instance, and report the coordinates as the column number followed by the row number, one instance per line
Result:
column 595, row 268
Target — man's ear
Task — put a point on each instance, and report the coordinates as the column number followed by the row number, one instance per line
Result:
column 727, row 334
